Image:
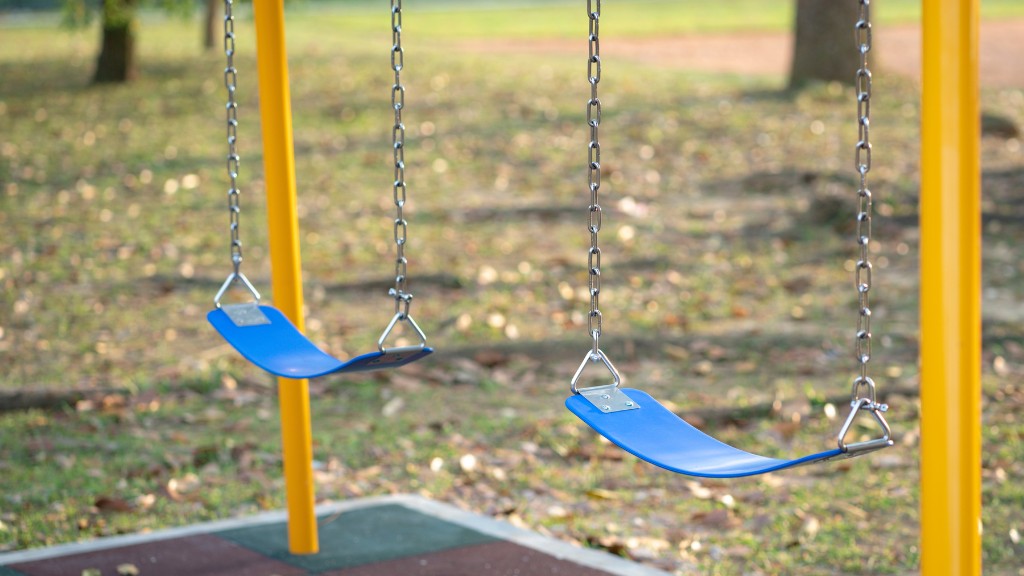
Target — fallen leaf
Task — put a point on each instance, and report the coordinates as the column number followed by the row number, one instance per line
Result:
column 557, row 511
column 602, row 494
column 127, row 570
column 787, row 429
column 467, row 462
column 113, row 403
column 178, row 488
column 811, row 527
column 108, row 504
column 65, row 461
column 491, row 358
column 392, row 407
column 718, row 519
column 369, row 472
column 145, row 501
column 612, row 544
column 699, row 490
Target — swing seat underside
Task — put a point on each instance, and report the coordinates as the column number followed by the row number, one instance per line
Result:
column 274, row 344
column 653, row 433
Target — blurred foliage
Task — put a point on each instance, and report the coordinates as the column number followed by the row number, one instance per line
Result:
column 119, row 12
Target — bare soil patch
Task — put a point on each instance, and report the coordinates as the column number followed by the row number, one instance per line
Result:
column 769, row 53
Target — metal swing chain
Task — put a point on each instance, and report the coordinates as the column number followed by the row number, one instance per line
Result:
column 233, row 160
column 863, row 395
column 607, row 398
column 862, row 160
column 230, row 82
column 403, row 299
column 401, row 227
column 595, row 320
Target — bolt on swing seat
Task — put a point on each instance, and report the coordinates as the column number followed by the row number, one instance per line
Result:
column 262, row 334
column 636, row 422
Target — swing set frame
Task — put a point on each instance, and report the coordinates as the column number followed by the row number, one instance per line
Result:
column 950, row 283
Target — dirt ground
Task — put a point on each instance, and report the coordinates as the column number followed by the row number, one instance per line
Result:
column 899, row 50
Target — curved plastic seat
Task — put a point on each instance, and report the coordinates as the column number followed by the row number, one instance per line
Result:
column 653, row 433
column 274, row 344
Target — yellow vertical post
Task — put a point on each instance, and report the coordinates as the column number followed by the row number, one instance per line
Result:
column 950, row 291
column 279, row 169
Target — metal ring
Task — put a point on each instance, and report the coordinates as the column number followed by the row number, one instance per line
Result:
column 861, row 382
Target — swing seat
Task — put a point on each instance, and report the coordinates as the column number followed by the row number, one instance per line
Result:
column 274, row 344
column 653, row 433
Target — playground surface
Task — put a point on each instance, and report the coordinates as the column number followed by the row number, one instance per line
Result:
column 390, row 535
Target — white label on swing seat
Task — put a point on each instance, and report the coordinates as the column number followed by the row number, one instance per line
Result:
column 243, row 315
column 609, row 398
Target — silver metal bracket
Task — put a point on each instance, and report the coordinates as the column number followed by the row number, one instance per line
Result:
column 608, row 398
column 402, row 317
column 247, row 314
column 868, row 405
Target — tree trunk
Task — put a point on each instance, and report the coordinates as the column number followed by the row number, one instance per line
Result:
column 117, row 62
column 825, row 48
column 211, row 28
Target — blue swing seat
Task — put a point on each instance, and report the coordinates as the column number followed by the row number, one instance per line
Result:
column 274, row 344
column 653, row 433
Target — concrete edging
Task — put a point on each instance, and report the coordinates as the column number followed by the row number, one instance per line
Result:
column 503, row 530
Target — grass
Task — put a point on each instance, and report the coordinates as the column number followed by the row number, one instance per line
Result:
column 725, row 286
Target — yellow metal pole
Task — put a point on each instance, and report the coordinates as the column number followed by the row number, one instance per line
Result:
column 950, row 291
column 282, row 217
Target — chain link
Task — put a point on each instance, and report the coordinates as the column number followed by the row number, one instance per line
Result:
column 862, row 162
column 595, row 320
column 401, row 226
column 231, row 82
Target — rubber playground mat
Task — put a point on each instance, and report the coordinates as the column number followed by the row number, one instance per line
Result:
column 393, row 536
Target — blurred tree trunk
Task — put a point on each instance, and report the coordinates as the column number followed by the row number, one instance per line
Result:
column 117, row 62
column 824, row 48
column 211, row 30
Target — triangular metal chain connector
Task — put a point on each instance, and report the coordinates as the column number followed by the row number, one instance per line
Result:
column 856, row 407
